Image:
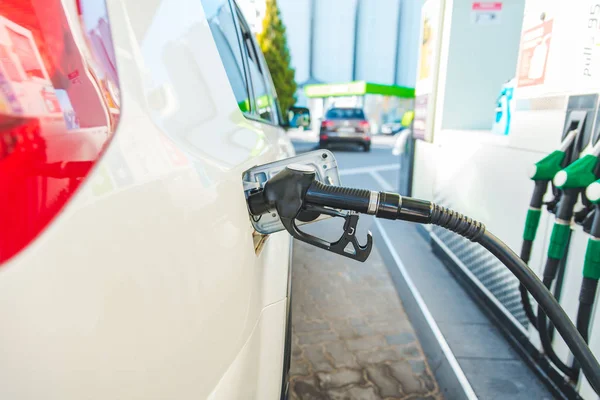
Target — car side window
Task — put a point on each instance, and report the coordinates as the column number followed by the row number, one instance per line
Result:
column 264, row 99
column 271, row 89
column 219, row 15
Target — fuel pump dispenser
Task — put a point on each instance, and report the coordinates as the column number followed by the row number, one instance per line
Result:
column 569, row 170
column 572, row 182
column 542, row 174
column 296, row 190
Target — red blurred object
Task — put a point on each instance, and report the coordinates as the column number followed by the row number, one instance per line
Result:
column 31, row 15
column 364, row 125
column 324, row 137
column 51, row 101
column 48, row 143
column 326, row 124
column 367, row 138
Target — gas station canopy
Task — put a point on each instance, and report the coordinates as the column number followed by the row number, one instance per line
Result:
column 357, row 88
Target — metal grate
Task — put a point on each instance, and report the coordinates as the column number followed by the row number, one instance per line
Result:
column 488, row 270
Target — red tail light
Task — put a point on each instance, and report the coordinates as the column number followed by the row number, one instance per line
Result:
column 364, row 125
column 324, row 137
column 326, row 124
column 56, row 115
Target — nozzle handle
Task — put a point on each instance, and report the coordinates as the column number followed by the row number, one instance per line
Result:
column 338, row 197
column 382, row 204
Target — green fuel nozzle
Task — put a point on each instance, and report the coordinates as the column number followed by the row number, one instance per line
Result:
column 579, row 174
column 592, row 192
column 547, row 167
column 591, row 266
column 542, row 174
column 571, row 180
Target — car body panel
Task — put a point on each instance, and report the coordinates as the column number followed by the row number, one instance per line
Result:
column 147, row 285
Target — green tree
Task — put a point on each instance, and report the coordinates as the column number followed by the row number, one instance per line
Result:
column 273, row 43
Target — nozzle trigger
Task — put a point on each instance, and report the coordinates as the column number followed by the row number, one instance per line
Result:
column 347, row 245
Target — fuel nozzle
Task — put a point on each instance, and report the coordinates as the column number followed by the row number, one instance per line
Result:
column 579, row 174
column 593, row 260
column 591, row 264
column 572, row 181
column 295, row 190
column 542, row 174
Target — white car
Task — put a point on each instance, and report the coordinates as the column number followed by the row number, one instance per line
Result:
column 129, row 268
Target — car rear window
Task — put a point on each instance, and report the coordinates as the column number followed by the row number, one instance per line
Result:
column 345, row 113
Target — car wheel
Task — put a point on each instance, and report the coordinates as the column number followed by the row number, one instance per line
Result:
column 367, row 147
column 323, row 145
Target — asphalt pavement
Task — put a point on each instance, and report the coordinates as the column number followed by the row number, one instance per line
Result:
column 352, row 156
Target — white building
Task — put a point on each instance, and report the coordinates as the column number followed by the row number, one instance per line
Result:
column 349, row 40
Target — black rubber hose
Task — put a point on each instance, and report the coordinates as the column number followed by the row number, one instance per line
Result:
column 548, row 303
column 457, row 222
column 525, row 301
column 527, row 307
column 536, row 202
column 476, row 232
column 551, row 269
column 546, row 341
column 584, row 314
column 587, row 298
column 526, row 250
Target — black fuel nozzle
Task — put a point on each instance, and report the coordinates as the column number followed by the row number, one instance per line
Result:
column 295, row 190
column 583, row 214
column 552, row 204
column 587, row 222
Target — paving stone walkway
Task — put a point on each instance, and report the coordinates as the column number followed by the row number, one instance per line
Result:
column 351, row 337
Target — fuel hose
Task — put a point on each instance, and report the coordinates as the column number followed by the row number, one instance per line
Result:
column 559, row 239
column 531, row 225
column 297, row 189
